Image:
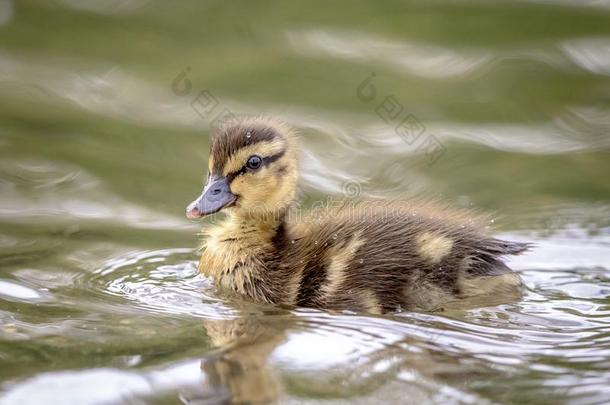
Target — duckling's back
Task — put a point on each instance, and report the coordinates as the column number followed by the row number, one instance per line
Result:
column 380, row 257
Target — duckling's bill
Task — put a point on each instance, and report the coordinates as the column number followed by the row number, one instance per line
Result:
column 216, row 195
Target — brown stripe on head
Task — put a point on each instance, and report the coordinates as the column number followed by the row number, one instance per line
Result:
column 242, row 137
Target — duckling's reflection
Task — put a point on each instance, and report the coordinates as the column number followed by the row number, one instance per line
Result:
column 240, row 373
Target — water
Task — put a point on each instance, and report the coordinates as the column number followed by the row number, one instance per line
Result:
column 104, row 128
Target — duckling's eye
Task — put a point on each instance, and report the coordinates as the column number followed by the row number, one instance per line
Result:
column 254, row 162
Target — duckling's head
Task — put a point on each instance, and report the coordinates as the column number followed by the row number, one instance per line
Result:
column 252, row 170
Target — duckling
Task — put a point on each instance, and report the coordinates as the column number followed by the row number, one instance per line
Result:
column 371, row 257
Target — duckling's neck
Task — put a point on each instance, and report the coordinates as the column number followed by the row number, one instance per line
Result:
column 242, row 255
column 261, row 229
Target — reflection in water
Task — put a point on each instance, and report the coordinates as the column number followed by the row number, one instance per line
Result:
column 354, row 360
column 240, row 371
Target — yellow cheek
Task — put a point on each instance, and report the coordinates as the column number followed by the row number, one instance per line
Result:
column 237, row 186
column 255, row 187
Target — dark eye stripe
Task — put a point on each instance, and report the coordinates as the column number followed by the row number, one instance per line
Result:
column 266, row 161
column 270, row 159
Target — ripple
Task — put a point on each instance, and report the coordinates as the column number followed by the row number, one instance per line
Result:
column 105, row 7
column 36, row 190
column 6, row 12
column 550, row 253
column 163, row 281
column 418, row 59
column 101, row 385
column 435, row 62
column 166, row 281
column 105, row 90
column 591, row 54
column 13, row 291
column 603, row 4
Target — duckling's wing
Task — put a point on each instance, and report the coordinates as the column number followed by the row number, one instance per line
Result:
column 487, row 275
column 503, row 247
column 496, row 268
column 486, row 262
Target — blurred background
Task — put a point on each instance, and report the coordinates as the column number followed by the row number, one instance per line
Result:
column 105, row 115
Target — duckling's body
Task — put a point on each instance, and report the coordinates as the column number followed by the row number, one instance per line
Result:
column 374, row 257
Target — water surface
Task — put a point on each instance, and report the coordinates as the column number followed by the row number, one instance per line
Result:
column 105, row 116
